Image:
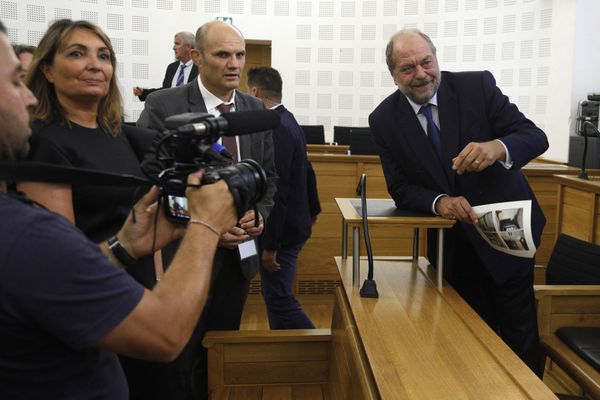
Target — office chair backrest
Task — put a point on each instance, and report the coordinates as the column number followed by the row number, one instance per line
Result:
column 573, row 262
column 359, row 138
column 315, row 134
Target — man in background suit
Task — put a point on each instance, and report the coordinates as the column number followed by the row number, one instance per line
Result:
column 179, row 72
column 220, row 56
column 290, row 223
column 483, row 141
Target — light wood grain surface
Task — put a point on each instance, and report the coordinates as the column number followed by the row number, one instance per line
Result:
column 425, row 343
column 578, row 207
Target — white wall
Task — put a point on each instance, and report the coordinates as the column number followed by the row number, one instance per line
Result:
column 544, row 53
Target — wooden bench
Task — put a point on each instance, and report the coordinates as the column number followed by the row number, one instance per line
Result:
column 568, row 305
column 308, row 364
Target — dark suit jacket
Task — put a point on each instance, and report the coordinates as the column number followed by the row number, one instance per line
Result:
column 169, row 75
column 290, row 220
column 471, row 109
column 257, row 146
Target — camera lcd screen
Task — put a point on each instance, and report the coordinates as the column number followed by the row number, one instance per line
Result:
column 177, row 208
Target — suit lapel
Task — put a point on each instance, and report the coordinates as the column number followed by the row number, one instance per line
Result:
column 417, row 141
column 195, row 100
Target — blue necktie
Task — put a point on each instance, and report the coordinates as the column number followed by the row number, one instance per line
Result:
column 433, row 132
column 180, row 76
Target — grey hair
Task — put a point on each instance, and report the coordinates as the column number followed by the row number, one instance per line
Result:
column 389, row 49
column 188, row 38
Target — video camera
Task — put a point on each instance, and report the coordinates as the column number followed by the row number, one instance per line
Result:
column 190, row 143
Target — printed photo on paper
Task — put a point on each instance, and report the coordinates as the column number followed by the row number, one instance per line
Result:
column 507, row 227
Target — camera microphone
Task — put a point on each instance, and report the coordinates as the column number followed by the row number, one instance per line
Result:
column 230, row 124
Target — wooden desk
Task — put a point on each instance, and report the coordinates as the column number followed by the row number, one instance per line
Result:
column 328, row 148
column 578, row 207
column 421, row 342
column 384, row 212
column 338, row 175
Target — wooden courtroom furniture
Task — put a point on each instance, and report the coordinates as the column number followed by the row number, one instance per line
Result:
column 578, row 207
column 568, row 305
column 307, row 364
column 416, row 341
column 425, row 342
column 383, row 212
column 328, row 148
column 338, row 176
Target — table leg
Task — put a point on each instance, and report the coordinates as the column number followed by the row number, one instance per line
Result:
column 415, row 251
column 355, row 257
column 440, row 257
column 344, row 239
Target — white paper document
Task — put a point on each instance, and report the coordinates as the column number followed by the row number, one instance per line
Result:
column 507, row 227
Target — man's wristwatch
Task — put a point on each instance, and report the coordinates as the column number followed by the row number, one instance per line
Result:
column 120, row 253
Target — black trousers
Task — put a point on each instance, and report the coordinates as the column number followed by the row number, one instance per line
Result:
column 508, row 308
column 223, row 312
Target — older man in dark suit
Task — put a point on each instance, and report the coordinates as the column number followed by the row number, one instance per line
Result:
column 180, row 71
column 450, row 141
column 220, row 56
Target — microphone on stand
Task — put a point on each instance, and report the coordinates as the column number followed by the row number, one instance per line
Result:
column 586, row 122
column 369, row 287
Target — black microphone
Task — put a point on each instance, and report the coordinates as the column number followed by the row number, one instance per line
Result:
column 369, row 287
column 233, row 123
column 583, row 174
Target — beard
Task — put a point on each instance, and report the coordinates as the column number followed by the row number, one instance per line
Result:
column 14, row 147
column 411, row 92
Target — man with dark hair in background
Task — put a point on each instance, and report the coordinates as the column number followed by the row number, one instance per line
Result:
column 289, row 224
column 179, row 72
column 66, row 306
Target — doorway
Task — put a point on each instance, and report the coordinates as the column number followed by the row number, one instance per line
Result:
column 258, row 54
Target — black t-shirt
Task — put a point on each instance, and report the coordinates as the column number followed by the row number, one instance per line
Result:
column 59, row 295
column 99, row 210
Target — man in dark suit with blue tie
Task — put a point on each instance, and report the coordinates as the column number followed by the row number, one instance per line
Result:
column 179, row 72
column 450, row 141
column 220, row 55
column 290, row 223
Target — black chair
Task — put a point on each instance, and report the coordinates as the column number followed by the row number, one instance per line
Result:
column 569, row 312
column 573, row 262
column 315, row 134
column 360, row 139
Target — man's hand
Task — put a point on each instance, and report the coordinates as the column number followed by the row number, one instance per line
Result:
column 269, row 260
column 243, row 232
column 137, row 91
column 457, row 208
column 137, row 237
column 211, row 204
column 478, row 156
column 247, row 223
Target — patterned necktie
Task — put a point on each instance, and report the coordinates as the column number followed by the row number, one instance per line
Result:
column 181, row 75
column 433, row 132
column 229, row 141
